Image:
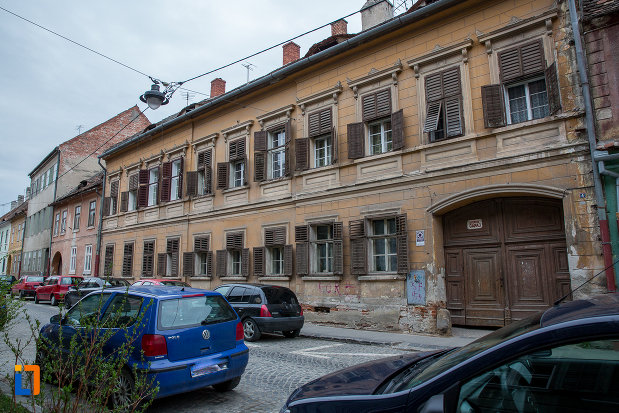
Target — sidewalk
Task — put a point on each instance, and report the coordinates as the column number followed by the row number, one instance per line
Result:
column 402, row 341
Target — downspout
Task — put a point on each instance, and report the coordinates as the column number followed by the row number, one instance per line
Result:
column 51, row 224
column 100, row 226
column 597, row 183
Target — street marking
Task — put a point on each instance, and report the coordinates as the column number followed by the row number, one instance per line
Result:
column 328, row 355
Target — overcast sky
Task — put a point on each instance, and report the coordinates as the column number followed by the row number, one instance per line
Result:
column 51, row 86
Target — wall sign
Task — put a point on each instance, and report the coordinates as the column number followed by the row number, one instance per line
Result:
column 420, row 238
column 474, row 224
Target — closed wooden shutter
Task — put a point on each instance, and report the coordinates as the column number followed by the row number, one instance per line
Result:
column 114, row 189
column 376, row 105
column 275, row 236
column 260, row 141
column 453, row 116
column 166, row 175
column 172, row 246
column 552, row 87
column 108, row 261
column 402, row 243
column 287, row 261
column 494, row 108
column 301, row 233
column 434, row 87
column 338, row 230
column 355, row 137
column 222, row 175
column 319, row 122
column 200, row 244
column 234, row 240
column 302, row 258
column 397, row 129
column 162, row 259
column 107, row 202
column 301, row 150
column 236, row 149
column 451, row 82
column 222, row 258
column 188, row 264
column 128, row 260
column 338, row 257
column 192, row 183
column 358, row 254
column 522, row 61
column 260, row 166
column 143, row 177
column 259, row 261
column 133, row 182
column 201, row 160
column 124, row 201
column 148, row 258
column 209, row 263
column 245, row 262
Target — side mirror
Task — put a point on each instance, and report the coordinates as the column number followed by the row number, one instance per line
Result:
column 55, row 319
column 435, row 404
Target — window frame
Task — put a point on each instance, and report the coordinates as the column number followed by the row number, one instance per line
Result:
column 386, row 145
column 87, row 259
column 77, row 217
column 237, row 175
column 278, row 135
column 63, row 221
column 387, row 237
column 176, row 180
column 73, row 260
column 527, row 97
column 56, row 224
column 92, row 213
column 153, row 186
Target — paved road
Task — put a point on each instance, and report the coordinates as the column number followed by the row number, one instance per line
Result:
column 276, row 367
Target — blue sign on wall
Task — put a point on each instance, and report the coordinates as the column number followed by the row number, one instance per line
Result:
column 416, row 287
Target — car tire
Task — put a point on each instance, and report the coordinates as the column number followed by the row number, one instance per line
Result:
column 291, row 333
column 227, row 385
column 36, row 298
column 21, row 294
column 53, row 300
column 251, row 330
column 121, row 397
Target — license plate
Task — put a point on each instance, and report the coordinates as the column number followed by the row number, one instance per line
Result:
column 198, row 370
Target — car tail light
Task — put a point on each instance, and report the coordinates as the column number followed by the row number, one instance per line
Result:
column 240, row 334
column 264, row 311
column 154, row 345
column 301, row 311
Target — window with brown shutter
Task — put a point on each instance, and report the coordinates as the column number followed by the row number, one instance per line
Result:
column 355, row 138
column 222, row 175
column 376, row 105
column 358, row 258
column 128, row 260
column 319, row 122
column 172, row 256
column 188, row 264
column 143, row 188
column 192, row 183
column 133, row 182
column 301, row 154
column 162, row 263
column 200, row 244
column 402, row 243
column 444, row 117
column 521, row 61
column 201, row 181
column 259, row 261
column 108, row 261
column 107, row 201
column 166, row 176
column 124, row 201
column 234, row 240
column 259, row 166
column 287, row 261
column 321, row 144
column 494, row 112
column 148, row 258
column 275, row 236
column 114, row 197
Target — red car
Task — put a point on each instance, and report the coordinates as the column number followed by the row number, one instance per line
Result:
column 55, row 288
column 161, row 281
column 27, row 285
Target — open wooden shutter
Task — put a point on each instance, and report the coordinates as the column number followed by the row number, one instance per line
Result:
column 260, row 166
column 114, row 196
column 338, row 248
column 494, row 107
column 275, row 236
column 162, row 264
column 107, row 201
column 172, row 248
column 222, row 175
column 453, row 116
column 259, row 262
column 288, row 140
column 128, row 260
column 334, row 146
column 552, row 87
column 245, row 262
column 287, row 260
column 166, row 175
column 301, row 238
column 358, row 254
column 133, row 182
column 148, row 258
column 208, row 180
column 260, row 141
column 108, row 261
column 200, row 244
column 433, row 112
column 209, row 263
column 524, row 60
column 402, row 243
column 143, row 188
column 397, row 129
column 124, row 201
column 222, row 258
column 188, row 264
column 192, row 183
column 301, row 151
column 356, row 147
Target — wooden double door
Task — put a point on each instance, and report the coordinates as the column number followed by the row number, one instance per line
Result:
column 505, row 259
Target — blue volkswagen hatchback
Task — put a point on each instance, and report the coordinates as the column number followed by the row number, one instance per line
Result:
column 185, row 339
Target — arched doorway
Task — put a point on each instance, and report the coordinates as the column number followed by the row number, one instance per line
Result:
column 505, row 258
column 56, row 264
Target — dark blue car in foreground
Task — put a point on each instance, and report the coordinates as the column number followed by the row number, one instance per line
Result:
column 565, row 359
column 185, row 338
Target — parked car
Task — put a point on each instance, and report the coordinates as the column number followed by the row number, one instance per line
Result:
column 27, row 285
column 55, row 287
column 89, row 285
column 161, row 281
column 191, row 338
column 6, row 281
column 264, row 309
column 563, row 359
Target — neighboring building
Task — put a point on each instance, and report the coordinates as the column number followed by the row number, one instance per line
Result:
column 17, row 218
column 429, row 169
column 61, row 171
column 73, row 250
column 5, row 238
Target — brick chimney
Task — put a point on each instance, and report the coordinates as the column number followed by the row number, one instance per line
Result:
column 339, row 27
column 292, row 52
column 218, row 87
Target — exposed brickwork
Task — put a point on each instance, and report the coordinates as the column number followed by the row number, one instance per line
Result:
column 339, row 27
column 292, row 52
column 218, row 87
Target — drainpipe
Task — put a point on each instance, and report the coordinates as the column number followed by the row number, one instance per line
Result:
column 597, row 183
column 100, row 226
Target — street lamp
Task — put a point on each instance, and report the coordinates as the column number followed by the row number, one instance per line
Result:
column 154, row 98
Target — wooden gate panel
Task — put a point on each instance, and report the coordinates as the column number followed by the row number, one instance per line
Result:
column 454, row 272
column 559, row 272
column 532, row 219
column 479, row 224
column 526, row 284
column 485, row 301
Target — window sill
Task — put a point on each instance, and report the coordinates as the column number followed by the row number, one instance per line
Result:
column 200, row 278
column 274, row 278
column 389, row 154
column 274, row 180
column 236, row 189
column 381, row 277
column 85, row 273
column 316, row 277
column 176, row 201
column 233, row 278
column 318, row 169
column 202, row 196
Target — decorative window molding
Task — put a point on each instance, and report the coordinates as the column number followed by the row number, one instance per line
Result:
column 115, row 174
column 204, row 142
column 375, row 76
column 153, row 160
column 440, row 53
column 275, row 116
column 319, row 97
column 179, row 150
column 132, row 167
column 237, row 130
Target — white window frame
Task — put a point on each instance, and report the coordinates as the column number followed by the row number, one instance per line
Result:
column 235, row 260
column 276, row 151
column 327, row 158
column 315, row 249
column 386, row 143
column 175, row 179
column 63, row 221
column 153, row 186
column 202, row 264
column 77, row 216
column 73, row 260
column 87, row 259
column 92, row 212
column 386, row 237
column 237, row 174
column 275, row 260
column 527, row 96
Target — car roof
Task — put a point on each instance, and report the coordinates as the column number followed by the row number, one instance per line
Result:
column 597, row 306
column 161, row 291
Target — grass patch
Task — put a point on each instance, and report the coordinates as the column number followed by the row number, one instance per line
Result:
column 6, row 405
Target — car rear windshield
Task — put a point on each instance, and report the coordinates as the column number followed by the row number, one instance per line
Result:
column 174, row 283
column 69, row 281
column 193, row 311
column 282, row 295
column 35, row 279
column 117, row 283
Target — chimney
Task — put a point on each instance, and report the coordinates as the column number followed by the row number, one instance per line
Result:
column 28, row 193
column 13, row 205
column 375, row 12
column 218, row 87
column 339, row 27
column 20, row 199
column 292, row 52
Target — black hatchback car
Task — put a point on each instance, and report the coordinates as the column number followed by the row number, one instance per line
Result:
column 565, row 359
column 89, row 285
column 264, row 309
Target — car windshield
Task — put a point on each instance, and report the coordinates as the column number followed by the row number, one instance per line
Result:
column 35, row 279
column 5, row 277
column 278, row 295
column 192, row 311
column 424, row 371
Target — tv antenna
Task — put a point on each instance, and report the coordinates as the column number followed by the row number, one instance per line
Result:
column 248, row 66
column 187, row 96
column 79, row 128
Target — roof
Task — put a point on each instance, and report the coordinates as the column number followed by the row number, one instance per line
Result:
column 21, row 209
column 597, row 306
column 89, row 185
column 328, row 42
column 597, row 8
column 281, row 73
column 162, row 291
column 44, row 161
